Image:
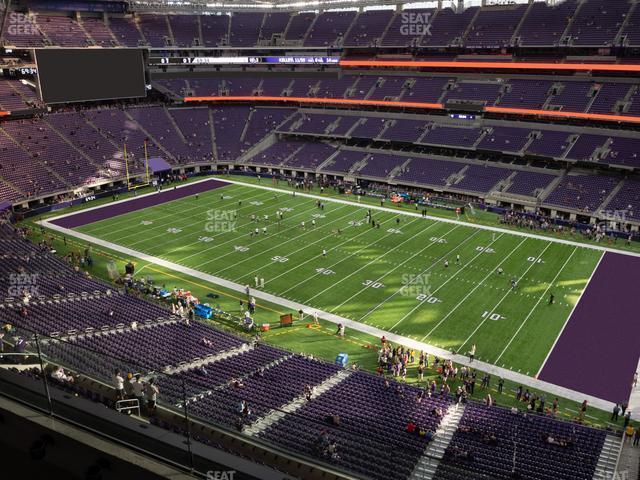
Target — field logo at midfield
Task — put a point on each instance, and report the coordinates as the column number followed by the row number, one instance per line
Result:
column 21, row 284
column 220, row 221
column 416, row 24
column 20, row 24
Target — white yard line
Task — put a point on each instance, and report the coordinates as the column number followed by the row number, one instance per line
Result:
column 313, row 257
column 235, row 239
column 468, row 294
column 445, row 282
column 310, row 230
column 372, row 207
column 127, row 217
column 492, row 311
column 365, row 231
column 368, row 329
column 364, row 247
column 379, row 257
column 544, row 294
column 569, row 317
column 187, row 245
column 443, row 220
column 436, row 262
column 336, row 319
column 183, row 219
column 393, row 269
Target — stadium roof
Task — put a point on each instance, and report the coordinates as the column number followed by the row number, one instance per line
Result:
column 264, row 5
column 260, row 5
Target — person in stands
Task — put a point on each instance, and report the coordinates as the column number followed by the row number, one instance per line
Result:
column 137, row 390
column 61, row 376
column 118, row 384
column 152, row 392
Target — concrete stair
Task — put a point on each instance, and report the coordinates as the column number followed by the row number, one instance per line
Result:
column 564, row 38
column 261, row 424
column 152, row 139
column 426, row 467
column 183, row 367
column 205, row 393
column 608, row 460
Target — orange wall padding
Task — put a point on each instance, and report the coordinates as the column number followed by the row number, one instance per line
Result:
column 610, row 67
column 560, row 114
column 429, row 106
column 324, row 101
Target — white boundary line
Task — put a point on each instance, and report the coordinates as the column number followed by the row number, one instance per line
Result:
column 471, row 292
column 368, row 329
column 373, row 207
column 130, row 199
column 364, row 289
column 569, row 317
column 424, row 272
column 444, row 220
column 509, row 292
column 544, row 294
column 375, row 260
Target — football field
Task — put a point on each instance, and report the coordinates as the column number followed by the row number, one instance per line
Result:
column 447, row 284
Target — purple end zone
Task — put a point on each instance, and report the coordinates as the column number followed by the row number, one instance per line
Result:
column 598, row 351
column 111, row 210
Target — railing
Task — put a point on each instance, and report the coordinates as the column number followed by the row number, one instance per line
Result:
column 86, row 374
column 128, row 406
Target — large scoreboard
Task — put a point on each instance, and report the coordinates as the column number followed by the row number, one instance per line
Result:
column 255, row 60
column 85, row 74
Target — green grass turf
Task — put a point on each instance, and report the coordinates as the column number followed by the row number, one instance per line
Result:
column 478, row 216
column 321, row 342
column 393, row 277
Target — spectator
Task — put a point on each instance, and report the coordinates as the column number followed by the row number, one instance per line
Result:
column 137, row 389
column 60, row 375
column 118, row 384
column 152, row 392
column 627, row 419
column 615, row 413
column 411, row 427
